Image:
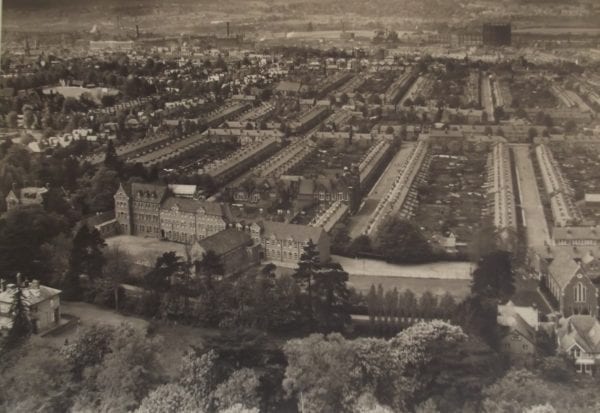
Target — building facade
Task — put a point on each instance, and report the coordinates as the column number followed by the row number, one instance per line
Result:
column 43, row 304
column 149, row 210
column 285, row 242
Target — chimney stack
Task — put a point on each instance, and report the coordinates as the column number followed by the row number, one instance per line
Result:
column 2, row 285
column 137, row 31
column 19, row 280
column 228, row 29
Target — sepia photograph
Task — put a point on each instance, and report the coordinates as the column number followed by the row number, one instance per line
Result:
column 299, row 206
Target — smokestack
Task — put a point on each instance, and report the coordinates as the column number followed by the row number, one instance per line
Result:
column 2, row 284
column 137, row 31
column 19, row 279
column 227, row 29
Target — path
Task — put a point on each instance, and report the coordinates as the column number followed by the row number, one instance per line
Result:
column 534, row 219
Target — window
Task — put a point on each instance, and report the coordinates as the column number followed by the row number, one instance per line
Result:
column 576, row 352
column 580, row 293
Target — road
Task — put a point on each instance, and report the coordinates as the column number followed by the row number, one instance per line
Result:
column 359, row 222
column 534, row 219
column 486, row 97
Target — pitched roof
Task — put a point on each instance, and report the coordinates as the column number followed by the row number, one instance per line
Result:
column 576, row 233
column 193, row 205
column 583, row 330
column 182, row 190
column 31, row 295
column 226, row 241
column 563, row 268
column 148, row 192
column 282, row 230
column 518, row 324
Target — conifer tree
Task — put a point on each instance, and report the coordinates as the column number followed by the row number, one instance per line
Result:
column 21, row 324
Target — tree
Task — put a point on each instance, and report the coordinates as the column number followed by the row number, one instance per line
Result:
column 36, row 378
column 241, row 388
column 21, row 326
column 402, row 242
column 117, row 267
column 428, row 304
column 167, row 268
column 493, row 276
column 447, row 305
column 331, row 295
column 169, row 398
column 86, row 256
column 360, row 244
column 209, row 267
column 22, row 233
column 308, row 265
column 55, row 255
column 88, row 348
column 199, row 376
column 126, row 374
column 111, row 159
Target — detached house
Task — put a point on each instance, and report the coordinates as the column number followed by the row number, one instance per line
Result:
column 579, row 338
column 43, row 305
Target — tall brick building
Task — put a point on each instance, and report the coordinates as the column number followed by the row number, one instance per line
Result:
column 150, row 210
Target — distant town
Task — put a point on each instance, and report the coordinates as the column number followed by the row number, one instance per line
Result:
column 354, row 220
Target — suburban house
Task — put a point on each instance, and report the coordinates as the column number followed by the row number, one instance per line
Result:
column 579, row 338
column 521, row 325
column 43, row 304
column 236, row 250
column 25, row 196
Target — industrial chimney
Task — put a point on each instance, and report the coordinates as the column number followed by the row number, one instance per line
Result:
column 137, row 31
column 227, row 29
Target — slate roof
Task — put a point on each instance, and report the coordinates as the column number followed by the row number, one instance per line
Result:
column 284, row 231
column 193, row 205
column 148, row 192
column 226, row 241
column 583, row 330
column 31, row 295
column 563, row 268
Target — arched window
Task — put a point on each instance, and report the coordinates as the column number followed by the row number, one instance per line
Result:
column 580, row 293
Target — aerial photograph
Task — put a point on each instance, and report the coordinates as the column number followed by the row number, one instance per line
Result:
column 300, row 206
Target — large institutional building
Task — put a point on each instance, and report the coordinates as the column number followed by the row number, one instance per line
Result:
column 157, row 211
column 154, row 211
